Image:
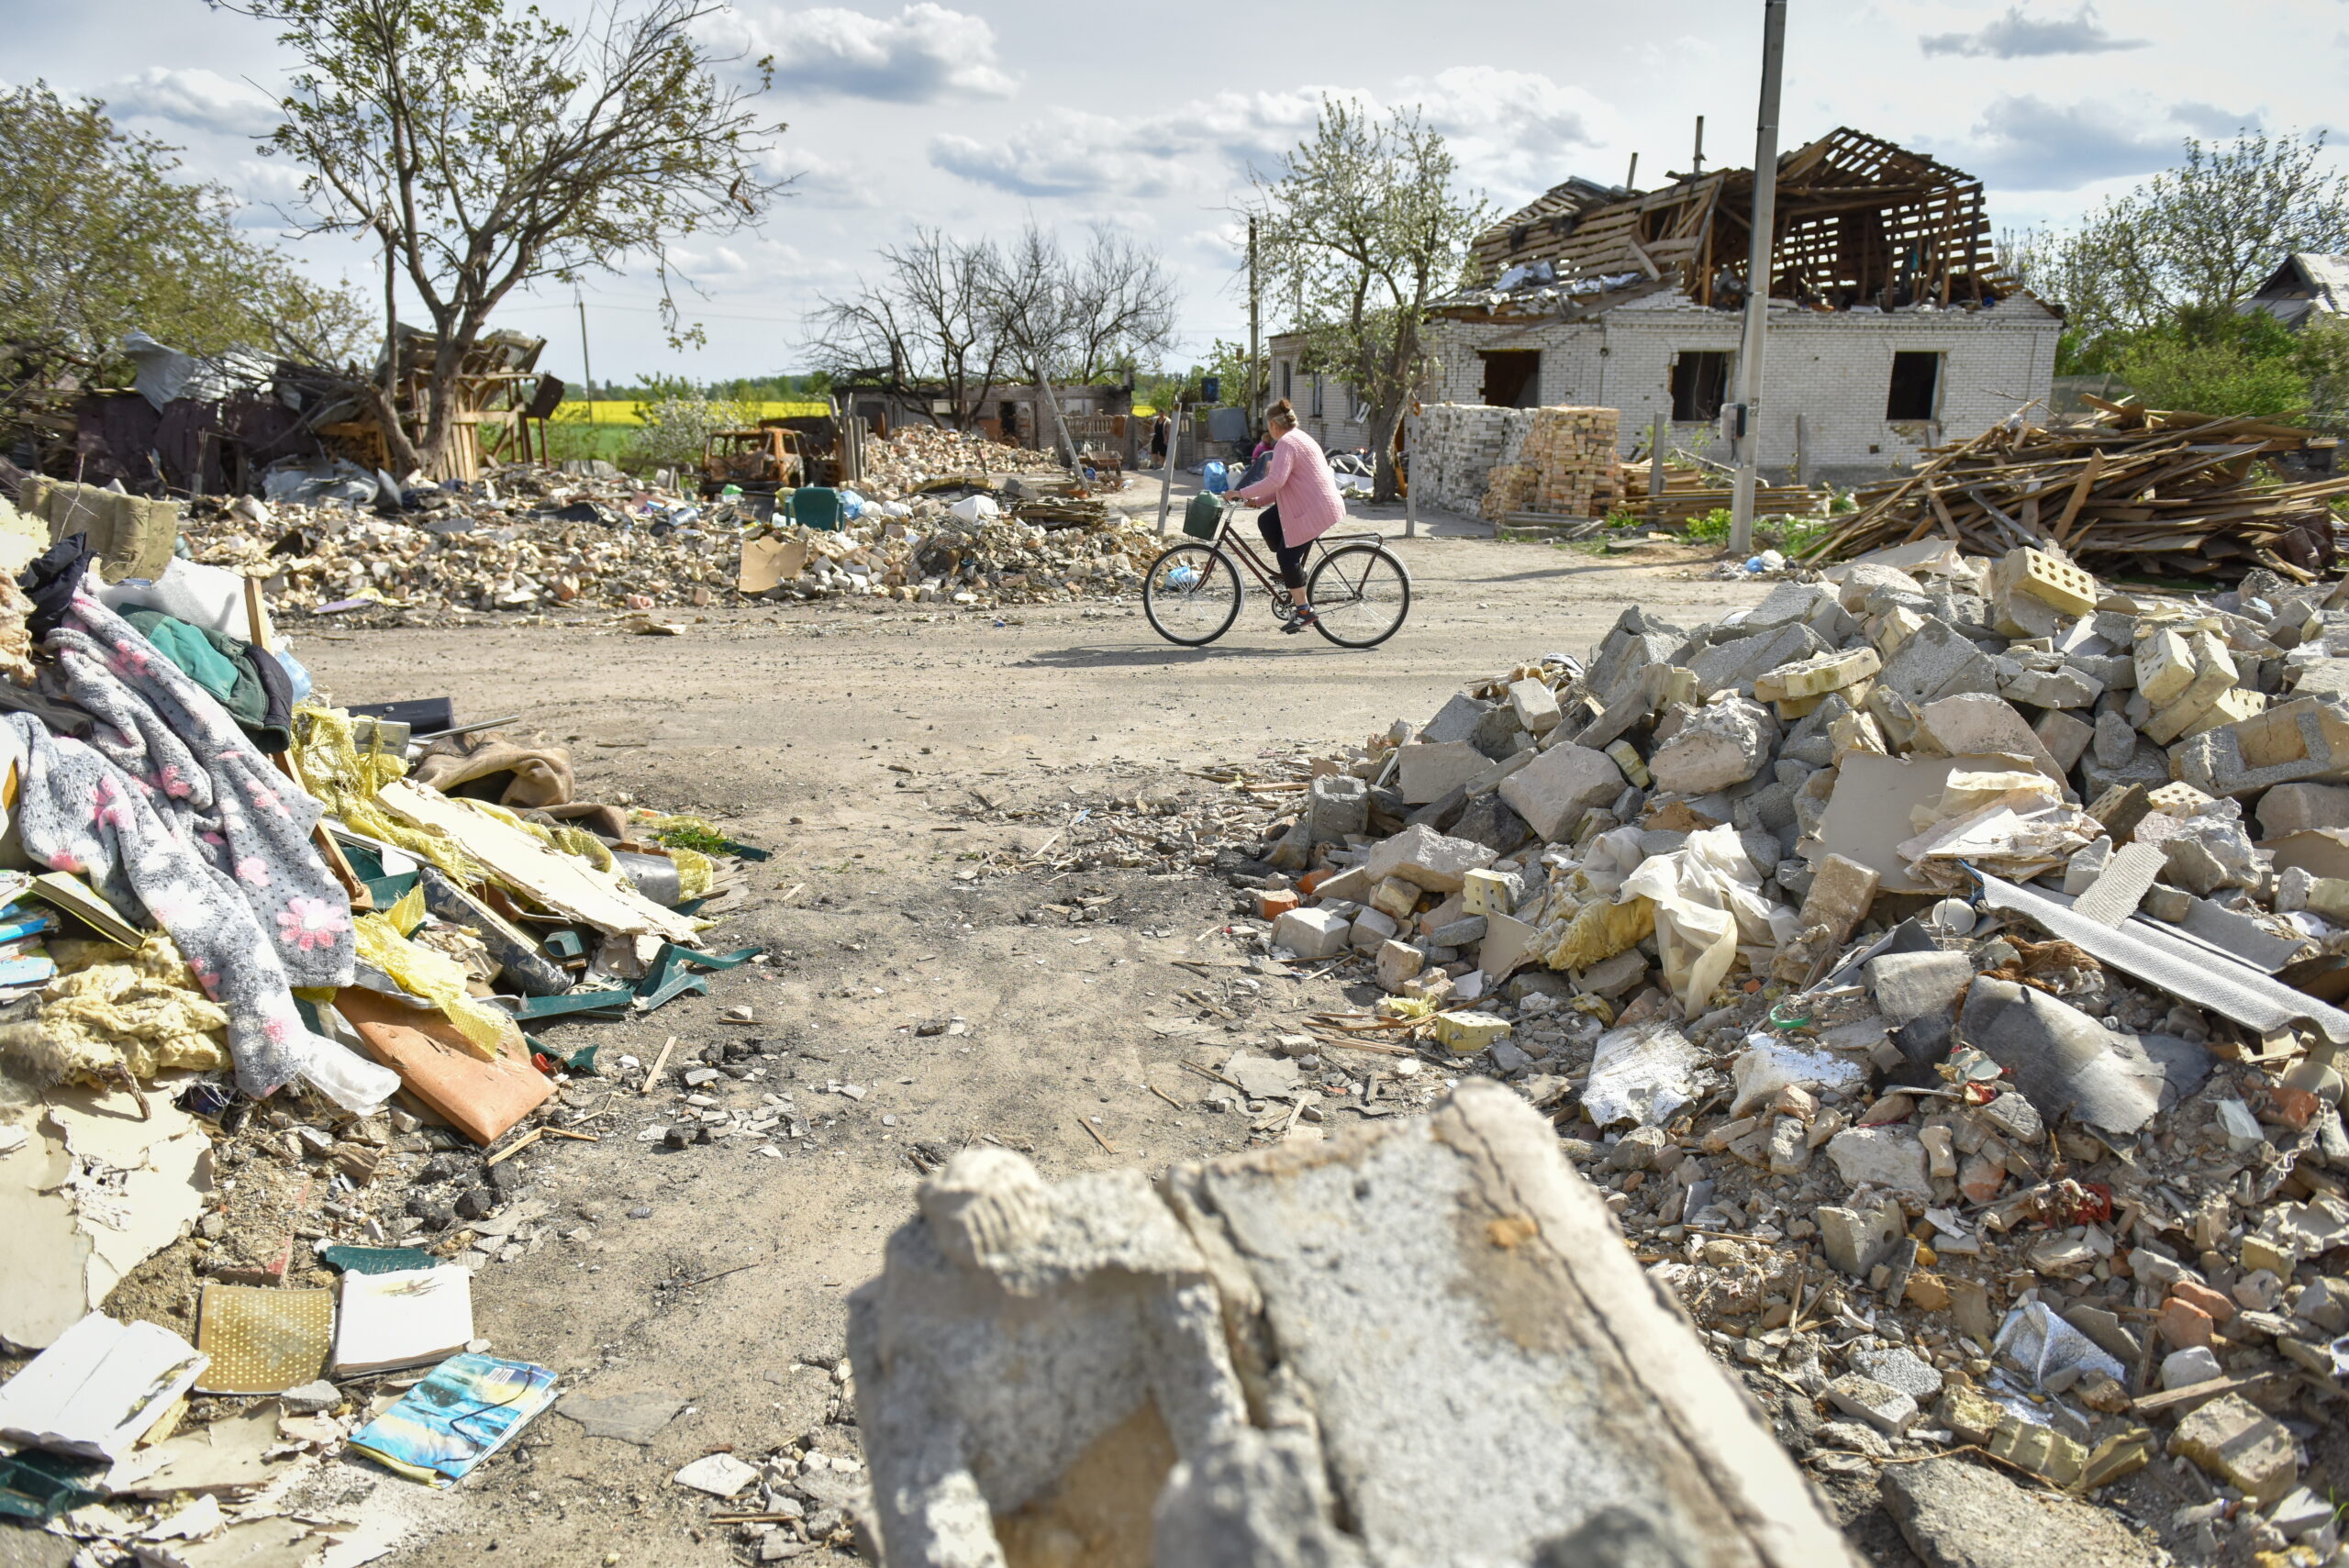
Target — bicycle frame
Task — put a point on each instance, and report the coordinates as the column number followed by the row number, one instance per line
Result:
column 1230, row 539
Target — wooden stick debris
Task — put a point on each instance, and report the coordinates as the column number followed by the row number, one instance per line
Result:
column 1096, row 1135
column 658, row 1063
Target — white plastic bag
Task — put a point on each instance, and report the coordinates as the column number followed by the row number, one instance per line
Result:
column 1708, row 898
column 976, row 508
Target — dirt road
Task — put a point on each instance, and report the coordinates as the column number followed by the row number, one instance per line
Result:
column 879, row 752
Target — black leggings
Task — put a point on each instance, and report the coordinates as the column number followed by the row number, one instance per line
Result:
column 1291, row 557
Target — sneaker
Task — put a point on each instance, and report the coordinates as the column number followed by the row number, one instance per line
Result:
column 1298, row 621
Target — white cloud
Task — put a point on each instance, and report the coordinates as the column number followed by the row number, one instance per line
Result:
column 203, row 99
column 2027, row 143
column 924, row 54
column 2017, row 36
column 1517, row 132
column 1513, row 129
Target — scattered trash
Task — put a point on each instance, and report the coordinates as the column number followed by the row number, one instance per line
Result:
column 468, row 1409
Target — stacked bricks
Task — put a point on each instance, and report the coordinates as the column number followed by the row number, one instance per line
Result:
column 1574, row 452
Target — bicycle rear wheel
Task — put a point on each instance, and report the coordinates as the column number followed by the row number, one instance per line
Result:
column 1360, row 595
column 1191, row 595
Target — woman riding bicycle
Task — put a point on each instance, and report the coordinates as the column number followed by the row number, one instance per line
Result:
column 1305, row 505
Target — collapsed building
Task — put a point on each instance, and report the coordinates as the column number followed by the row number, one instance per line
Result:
column 1891, row 328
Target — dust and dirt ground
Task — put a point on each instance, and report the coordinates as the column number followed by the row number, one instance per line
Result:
column 878, row 753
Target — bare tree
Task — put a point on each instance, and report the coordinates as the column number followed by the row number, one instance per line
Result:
column 922, row 324
column 485, row 147
column 1071, row 319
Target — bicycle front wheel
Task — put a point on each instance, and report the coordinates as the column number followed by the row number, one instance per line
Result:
column 1360, row 595
column 1191, row 595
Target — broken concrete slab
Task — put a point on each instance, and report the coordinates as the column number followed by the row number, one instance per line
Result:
column 1732, row 665
column 1955, row 1514
column 2240, row 1444
column 1937, row 661
column 1039, row 1359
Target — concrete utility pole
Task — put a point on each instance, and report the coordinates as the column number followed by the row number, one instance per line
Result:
column 1759, row 268
column 1166, row 474
column 587, row 367
column 1255, row 324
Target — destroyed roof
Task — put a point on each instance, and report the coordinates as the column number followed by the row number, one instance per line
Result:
column 2308, row 283
column 1861, row 221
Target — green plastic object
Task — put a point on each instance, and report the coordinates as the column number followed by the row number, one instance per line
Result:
column 1204, row 516
column 375, row 1260
column 37, row 1485
column 817, row 506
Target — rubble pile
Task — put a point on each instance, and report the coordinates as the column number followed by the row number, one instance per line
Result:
column 1936, row 964
column 2129, row 489
column 946, row 519
column 262, row 1007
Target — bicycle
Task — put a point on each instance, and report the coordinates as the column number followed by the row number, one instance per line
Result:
column 1360, row 593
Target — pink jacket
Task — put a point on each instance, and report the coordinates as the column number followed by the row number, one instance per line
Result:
column 1297, row 480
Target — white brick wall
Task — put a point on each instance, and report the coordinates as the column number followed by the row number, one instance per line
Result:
column 1833, row 370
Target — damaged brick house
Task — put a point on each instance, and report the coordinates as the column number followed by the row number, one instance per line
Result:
column 1891, row 330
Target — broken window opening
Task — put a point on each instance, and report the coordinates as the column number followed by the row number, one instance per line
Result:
column 1699, row 385
column 1317, row 394
column 1512, row 377
column 1916, row 386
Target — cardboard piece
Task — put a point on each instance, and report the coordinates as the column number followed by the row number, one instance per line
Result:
column 563, row 883
column 229, row 1455
column 99, row 1389
column 480, row 1099
column 769, row 562
column 1867, row 818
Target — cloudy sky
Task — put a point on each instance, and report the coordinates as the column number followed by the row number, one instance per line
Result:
column 974, row 115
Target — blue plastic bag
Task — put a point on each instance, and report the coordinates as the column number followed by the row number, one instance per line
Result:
column 1213, row 478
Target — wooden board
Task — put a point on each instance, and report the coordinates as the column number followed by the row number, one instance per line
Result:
column 481, row 1099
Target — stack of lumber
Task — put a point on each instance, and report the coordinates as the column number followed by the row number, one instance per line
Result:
column 2136, row 491
column 1689, row 494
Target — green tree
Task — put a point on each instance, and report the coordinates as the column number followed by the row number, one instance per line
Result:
column 99, row 236
column 1362, row 227
column 2204, row 234
column 2215, row 362
column 485, row 146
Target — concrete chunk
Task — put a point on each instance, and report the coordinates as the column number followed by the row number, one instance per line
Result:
column 1451, row 1272
column 2298, row 740
column 1426, row 770
column 1723, row 743
column 1426, row 858
column 1957, row 1513
column 1731, row 666
column 1842, row 889
column 1972, row 723
column 1553, row 790
column 1311, row 933
column 1536, row 706
column 1936, row 661
column 2297, row 808
column 2064, row 735
column 1910, row 984
column 2240, row 1444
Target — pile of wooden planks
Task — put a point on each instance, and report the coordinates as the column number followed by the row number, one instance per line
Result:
column 2133, row 491
column 1690, row 493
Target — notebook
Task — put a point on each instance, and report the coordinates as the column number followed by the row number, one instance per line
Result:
column 467, row 1410
column 406, row 1318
